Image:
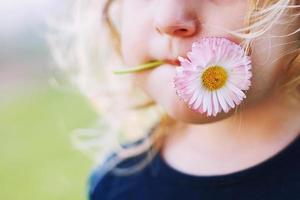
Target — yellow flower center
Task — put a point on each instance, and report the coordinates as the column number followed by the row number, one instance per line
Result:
column 214, row 77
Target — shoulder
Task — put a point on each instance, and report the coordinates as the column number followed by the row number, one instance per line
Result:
column 103, row 178
column 99, row 177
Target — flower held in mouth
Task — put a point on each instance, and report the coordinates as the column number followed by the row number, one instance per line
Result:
column 214, row 75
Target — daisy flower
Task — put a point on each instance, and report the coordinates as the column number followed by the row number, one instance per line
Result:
column 213, row 76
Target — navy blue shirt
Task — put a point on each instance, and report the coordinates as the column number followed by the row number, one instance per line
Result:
column 275, row 178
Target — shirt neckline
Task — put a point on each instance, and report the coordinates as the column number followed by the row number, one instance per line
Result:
column 165, row 172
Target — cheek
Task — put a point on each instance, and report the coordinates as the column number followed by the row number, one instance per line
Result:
column 271, row 56
column 133, row 48
column 222, row 15
column 268, row 67
column 134, row 33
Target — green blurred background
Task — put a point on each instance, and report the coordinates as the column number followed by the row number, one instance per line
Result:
column 38, row 160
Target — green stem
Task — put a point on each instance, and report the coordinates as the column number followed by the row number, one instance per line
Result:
column 139, row 68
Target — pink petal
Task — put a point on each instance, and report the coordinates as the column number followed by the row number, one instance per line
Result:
column 199, row 100
column 215, row 103
column 222, row 101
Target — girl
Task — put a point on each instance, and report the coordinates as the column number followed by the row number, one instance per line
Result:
column 250, row 152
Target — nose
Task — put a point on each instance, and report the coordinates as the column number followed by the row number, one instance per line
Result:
column 177, row 29
column 176, row 19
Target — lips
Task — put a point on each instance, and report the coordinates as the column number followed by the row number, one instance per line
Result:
column 172, row 62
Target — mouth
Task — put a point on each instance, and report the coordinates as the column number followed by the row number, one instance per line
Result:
column 175, row 62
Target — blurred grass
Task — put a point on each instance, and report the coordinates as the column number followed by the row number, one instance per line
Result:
column 38, row 161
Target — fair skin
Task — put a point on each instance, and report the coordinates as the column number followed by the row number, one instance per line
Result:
column 265, row 122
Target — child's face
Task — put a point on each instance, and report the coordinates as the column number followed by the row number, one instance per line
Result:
column 166, row 29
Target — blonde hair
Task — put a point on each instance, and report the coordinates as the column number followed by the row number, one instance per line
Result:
column 81, row 45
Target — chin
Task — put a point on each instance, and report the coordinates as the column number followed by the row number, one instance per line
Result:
column 179, row 111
